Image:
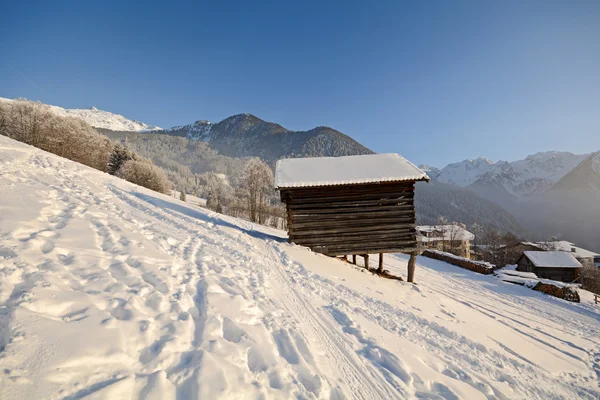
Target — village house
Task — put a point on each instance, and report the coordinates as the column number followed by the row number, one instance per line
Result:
column 353, row 205
column 554, row 265
column 451, row 238
column 585, row 257
column 514, row 251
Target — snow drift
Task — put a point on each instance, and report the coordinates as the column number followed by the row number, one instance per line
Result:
column 109, row 290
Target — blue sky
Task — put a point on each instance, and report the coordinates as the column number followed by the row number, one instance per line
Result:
column 437, row 81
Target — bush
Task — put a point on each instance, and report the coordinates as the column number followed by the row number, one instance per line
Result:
column 145, row 174
column 35, row 124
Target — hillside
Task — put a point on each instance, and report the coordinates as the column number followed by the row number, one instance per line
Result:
column 183, row 159
column 109, row 290
column 101, row 119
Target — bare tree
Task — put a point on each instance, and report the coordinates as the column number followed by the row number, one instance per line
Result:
column 443, row 223
column 257, row 182
column 454, row 235
column 217, row 193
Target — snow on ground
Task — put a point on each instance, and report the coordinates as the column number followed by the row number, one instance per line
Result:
column 108, row 290
column 529, row 279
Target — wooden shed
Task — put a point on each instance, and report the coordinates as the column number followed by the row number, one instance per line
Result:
column 554, row 265
column 353, row 205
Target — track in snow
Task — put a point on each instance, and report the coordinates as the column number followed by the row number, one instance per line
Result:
column 140, row 295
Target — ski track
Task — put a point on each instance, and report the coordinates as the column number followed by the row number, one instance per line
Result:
column 223, row 310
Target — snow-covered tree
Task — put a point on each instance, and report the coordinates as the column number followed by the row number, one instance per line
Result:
column 257, row 182
column 145, row 174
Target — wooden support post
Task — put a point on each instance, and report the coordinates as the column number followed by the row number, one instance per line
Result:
column 380, row 269
column 354, row 259
column 345, row 258
column 411, row 267
column 366, row 257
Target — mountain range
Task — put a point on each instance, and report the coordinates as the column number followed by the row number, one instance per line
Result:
column 521, row 179
column 518, row 196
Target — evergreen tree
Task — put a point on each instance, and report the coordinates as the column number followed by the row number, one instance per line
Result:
column 119, row 156
column 182, row 196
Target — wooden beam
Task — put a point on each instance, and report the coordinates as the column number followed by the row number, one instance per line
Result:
column 391, row 249
column 387, row 228
column 366, row 245
column 357, row 223
column 354, row 259
column 350, row 203
column 351, row 216
column 411, row 267
column 366, row 257
column 358, row 238
column 348, row 190
column 380, row 269
column 339, row 210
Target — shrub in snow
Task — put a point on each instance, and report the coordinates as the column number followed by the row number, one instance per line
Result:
column 182, row 196
column 145, row 174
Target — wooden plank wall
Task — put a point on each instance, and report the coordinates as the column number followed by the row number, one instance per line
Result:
column 352, row 219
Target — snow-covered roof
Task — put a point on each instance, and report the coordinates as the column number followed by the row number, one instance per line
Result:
column 329, row 171
column 563, row 245
column 552, row 259
column 450, row 232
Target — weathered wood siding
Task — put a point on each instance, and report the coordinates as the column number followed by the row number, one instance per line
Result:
column 525, row 265
column 558, row 274
column 352, row 219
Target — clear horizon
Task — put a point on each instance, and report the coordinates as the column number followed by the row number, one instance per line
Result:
column 436, row 83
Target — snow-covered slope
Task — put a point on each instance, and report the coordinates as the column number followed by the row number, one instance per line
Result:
column 102, row 119
column 532, row 175
column 109, row 290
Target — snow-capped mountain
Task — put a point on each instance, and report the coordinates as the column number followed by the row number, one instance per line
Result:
column 521, row 178
column 433, row 172
column 465, row 172
column 199, row 130
column 102, row 119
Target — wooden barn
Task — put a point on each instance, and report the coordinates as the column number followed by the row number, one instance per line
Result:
column 353, row 205
column 555, row 265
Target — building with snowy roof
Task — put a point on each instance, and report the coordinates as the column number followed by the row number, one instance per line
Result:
column 554, row 265
column 353, row 205
column 585, row 257
column 452, row 238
